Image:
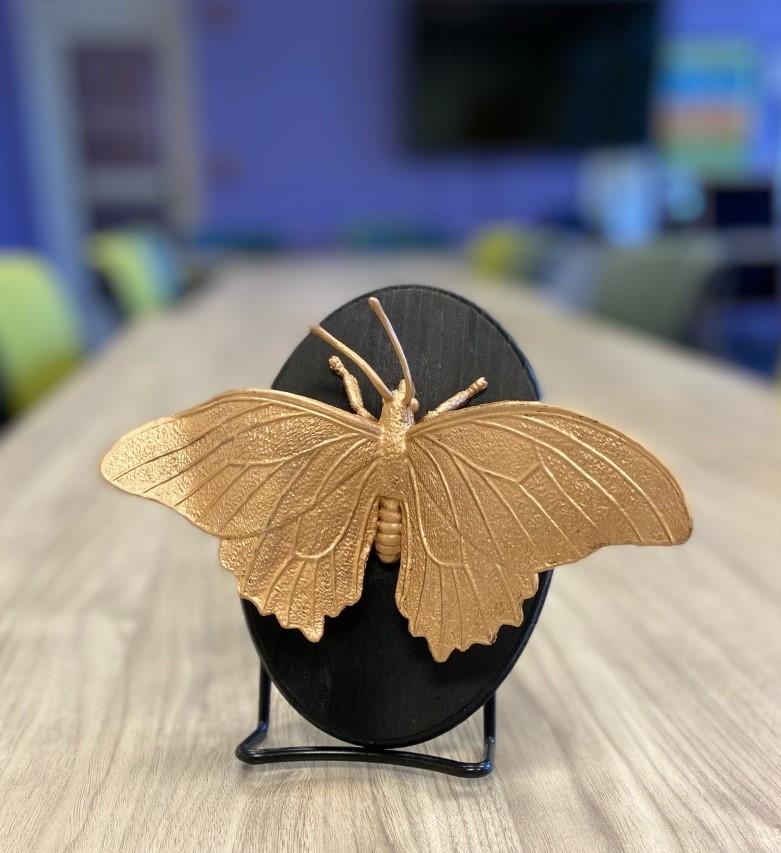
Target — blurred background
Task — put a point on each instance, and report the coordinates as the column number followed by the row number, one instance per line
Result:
column 623, row 157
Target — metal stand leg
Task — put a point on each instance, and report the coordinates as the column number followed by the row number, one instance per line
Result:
column 250, row 751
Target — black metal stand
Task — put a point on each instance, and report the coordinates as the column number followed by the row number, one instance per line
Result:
column 250, row 752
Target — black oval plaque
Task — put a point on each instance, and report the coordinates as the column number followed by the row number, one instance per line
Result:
column 368, row 681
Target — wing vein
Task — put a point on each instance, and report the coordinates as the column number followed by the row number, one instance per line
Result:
column 518, row 484
column 496, row 549
column 307, row 406
column 279, row 465
column 567, row 496
column 188, row 443
column 277, row 575
column 488, row 527
column 416, row 493
column 221, row 494
column 205, row 482
column 340, row 535
column 361, row 560
column 460, row 537
column 210, row 452
column 291, row 595
column 617, row 468
column 573, row 464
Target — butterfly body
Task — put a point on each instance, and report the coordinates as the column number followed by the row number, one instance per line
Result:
column 396, row 419
column 392, row 460
column 473, row 502
column 387, row 539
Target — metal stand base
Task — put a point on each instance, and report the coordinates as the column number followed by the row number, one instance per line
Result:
column 250, row 752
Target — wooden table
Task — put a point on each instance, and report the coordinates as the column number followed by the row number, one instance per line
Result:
column 644, row 715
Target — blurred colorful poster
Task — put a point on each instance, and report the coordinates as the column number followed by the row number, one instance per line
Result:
column 707, row 106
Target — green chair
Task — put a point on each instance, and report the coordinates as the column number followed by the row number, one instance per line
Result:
column 40, row 340
column 656, row 287
column 511, row 251
column 138, row 267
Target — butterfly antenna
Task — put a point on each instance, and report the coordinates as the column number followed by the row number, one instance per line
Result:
column 409, row 387
column 371, row 375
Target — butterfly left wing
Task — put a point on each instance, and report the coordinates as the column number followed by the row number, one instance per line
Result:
column 501, row 491
column 286, row 482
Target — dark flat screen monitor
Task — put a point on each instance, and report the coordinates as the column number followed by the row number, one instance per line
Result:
column 504, row 74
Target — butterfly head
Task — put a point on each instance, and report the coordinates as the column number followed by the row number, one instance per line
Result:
column 399, row 404
column 398, row 409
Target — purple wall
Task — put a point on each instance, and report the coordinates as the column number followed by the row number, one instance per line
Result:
column 300, row 111
column 16, row 227
column 300, row 123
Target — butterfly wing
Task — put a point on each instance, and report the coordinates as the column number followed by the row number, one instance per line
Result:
column 286, row 482
column 499, row 492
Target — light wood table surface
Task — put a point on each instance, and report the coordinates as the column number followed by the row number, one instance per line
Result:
column 645, row 713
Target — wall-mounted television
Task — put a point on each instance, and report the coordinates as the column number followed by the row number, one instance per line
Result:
column 504, row 74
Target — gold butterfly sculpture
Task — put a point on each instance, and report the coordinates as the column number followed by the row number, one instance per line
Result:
column 473, row 501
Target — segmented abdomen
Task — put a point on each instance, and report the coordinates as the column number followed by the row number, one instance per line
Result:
column 387, row 539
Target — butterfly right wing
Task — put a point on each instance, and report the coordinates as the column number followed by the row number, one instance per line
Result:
column 286, row 482
column 499, row 492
